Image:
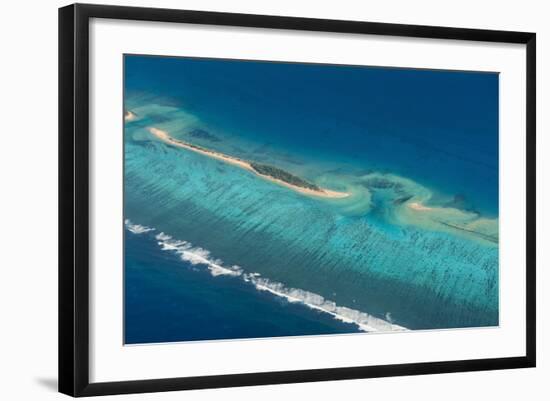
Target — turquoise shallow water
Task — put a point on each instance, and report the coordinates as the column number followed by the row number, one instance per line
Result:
column 370, row 253
column 423, row 279
column 439, row 128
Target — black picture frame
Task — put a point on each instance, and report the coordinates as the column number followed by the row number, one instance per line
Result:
column 74, row 198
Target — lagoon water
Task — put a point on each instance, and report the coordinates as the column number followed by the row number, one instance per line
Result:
column 215, row 252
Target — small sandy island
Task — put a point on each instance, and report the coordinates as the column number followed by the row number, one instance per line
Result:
column 419, row 206
column 129, row 116
column 270, row 173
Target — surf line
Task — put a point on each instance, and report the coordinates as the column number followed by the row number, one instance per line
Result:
column 196, row 255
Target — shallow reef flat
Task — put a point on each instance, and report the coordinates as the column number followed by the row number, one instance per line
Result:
column 407, row 202
column 375, row 251
column 410, row 204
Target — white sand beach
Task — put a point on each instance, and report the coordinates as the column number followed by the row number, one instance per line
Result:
column 165, row 137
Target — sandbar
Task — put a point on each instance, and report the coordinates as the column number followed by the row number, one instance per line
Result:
column 129, row 116
column 419, row 206
column 320, row 192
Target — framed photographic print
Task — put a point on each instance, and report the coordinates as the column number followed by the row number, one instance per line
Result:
column 250, row 199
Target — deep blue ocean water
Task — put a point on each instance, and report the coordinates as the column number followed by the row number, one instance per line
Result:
column 437, row 127
column 172, row 300
column 385, row 135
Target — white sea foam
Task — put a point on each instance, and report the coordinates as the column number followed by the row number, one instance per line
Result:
column 199, row 256
column 136, row 228
column 196, row 255
column 363, row 320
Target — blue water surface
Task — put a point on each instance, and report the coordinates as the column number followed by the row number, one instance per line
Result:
column 167, row 299
column 436, row 128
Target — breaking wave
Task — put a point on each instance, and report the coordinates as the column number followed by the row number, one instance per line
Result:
column 200, row 256
column 136, row 228
column 196, row 255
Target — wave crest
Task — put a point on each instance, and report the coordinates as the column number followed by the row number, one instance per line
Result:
column 362, row 320
column 196, row 255
column 200, row 256
column 136, row 228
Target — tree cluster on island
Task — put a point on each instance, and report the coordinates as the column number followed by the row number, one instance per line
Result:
column 282, row 175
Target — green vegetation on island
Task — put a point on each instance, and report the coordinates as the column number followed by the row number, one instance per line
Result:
column 282, row 175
